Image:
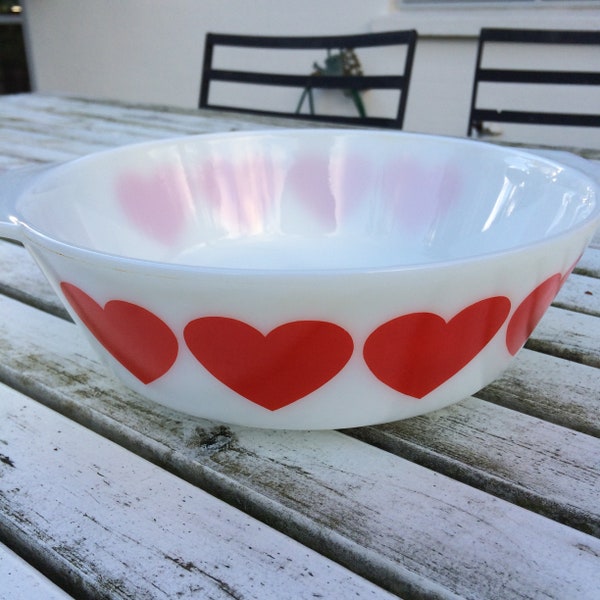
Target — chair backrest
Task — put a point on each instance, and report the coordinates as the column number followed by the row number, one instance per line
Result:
column 329, row 51
column 547, row 72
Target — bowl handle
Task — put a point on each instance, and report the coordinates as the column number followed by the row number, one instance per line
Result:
column 12, row 183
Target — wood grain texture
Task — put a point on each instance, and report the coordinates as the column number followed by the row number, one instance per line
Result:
column 43, row 129
column 568, row 334
column 115, row 526
column 580, row 293
column 550, row 388
column 530, row 462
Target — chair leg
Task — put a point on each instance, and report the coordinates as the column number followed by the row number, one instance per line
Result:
column 306, row 93
column 311, row 102
column 360, row 107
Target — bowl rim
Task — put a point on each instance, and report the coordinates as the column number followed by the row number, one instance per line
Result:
column 118, row 261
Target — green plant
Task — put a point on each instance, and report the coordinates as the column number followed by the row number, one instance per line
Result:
column 343, row 63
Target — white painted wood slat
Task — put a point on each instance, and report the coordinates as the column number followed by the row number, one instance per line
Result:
column 39, row 129
column 368, row 508
column 119, row 527
column 580, row 294
column 568, row 334
column 20, row 581
column 71, row 127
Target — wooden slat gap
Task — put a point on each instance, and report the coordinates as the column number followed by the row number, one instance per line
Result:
column 572, row 354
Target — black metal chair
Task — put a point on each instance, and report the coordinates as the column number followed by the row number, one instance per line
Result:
column 545, row 74
column 341, row 71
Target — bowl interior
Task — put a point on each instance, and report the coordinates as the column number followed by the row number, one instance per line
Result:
column 313, row 199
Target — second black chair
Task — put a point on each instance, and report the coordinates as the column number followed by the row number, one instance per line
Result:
column 508, row 70
column 337, row 68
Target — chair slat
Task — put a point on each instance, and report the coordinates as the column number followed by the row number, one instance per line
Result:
column 536, row 76
column 358, row 82
column 550, row 118
column 364, row 40
column 540, row 36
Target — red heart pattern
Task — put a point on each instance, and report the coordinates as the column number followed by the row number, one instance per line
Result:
column 136, row 337
column 272, row 370
column 413, row 354
column 529, row 313
column 416, row 353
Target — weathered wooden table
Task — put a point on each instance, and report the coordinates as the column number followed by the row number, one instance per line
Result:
column 106, row 495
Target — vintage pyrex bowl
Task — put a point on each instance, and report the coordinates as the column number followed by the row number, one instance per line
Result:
column 305, row 278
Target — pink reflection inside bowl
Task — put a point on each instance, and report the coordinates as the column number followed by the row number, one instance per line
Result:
column 419, row 194
column 157, row 203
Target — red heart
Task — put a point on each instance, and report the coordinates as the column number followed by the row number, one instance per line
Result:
column 271, row 370
column 137, row 338
column 416, row 353
column 530, row 311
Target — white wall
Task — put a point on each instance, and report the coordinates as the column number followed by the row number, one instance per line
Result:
column 151, row 50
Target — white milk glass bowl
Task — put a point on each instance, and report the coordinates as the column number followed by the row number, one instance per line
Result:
column 305, row 279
